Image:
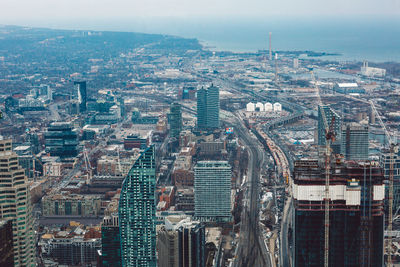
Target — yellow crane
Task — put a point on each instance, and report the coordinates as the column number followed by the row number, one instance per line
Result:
column 329, row 138
column 393, row 148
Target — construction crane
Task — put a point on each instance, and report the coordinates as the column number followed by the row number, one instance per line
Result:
column 393, row 148
column 329, row 138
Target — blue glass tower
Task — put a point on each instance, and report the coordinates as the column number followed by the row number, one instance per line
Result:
column 137, row 213
column 208, row 108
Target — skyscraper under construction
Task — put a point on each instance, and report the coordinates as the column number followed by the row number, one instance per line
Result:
column 356, row 220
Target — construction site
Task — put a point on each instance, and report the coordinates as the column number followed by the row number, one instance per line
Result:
column 356, row 213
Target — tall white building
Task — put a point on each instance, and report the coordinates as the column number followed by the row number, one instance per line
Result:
column 212, row 186
column 15, row 205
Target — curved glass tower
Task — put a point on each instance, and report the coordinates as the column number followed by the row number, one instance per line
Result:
column 137, row 213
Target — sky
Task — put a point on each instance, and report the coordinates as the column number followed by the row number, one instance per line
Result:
column 25, row 11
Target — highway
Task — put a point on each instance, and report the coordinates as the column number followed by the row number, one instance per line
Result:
column 251, row 248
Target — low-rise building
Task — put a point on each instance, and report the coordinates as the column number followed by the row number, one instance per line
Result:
column 65, row 204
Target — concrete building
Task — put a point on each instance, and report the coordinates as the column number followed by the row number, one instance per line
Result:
column 355, row 141
column 357, row 196
column 15, row 205
column 137, row 213
column 65, row 204
column 208, row 108
column 6, row 244
column 212, row 186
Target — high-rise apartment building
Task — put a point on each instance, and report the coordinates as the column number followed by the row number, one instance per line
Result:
column 15, row 205
column 212, row 187
column 137, row 213
column 61, row 140
column 329, row 114
column 110, row 241
column 208, row 108
column 175, row 120
column 355, row 141
column 82, row 95
column 6, row 244
column 356, row 217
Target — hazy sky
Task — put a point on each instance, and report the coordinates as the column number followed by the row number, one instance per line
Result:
column 26, row 10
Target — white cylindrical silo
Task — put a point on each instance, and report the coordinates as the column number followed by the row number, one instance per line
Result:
column 250, row 107
column 268, row 107
column 277, row 107
column 260, row 106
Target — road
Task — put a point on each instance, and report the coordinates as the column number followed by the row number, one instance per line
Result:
column 251, row 248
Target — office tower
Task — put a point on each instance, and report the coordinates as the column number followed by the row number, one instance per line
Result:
column 175, row 120
column 110, row 241
column 329, row 114
column 384, row 161
column 212, row 187
column 181, row 243
column 167, row 248
column 6, row 244
column 356, row 217
column 208, row 108
column 61, row 140
column 137, row 212
column 82, row 95
column 355, row 141
column 192, row 243
column 15, row 205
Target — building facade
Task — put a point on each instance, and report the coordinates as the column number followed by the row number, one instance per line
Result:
column 71, row 205
column 15, row 205
column 356, row 214
column 355, row 141
column 110, row 241
column 208, row 108
column 6, row 244
column 137, row 213
column 61, row 140
column 181, row 243
column 212, row 187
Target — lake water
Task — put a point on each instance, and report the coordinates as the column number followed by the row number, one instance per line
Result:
column 355, row 38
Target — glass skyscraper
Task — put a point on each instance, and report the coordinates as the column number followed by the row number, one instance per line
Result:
column 137, row 213
column 212, row 186
column 355, row 141
column 175, row 120
column 208, row 108
column 329, row 114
